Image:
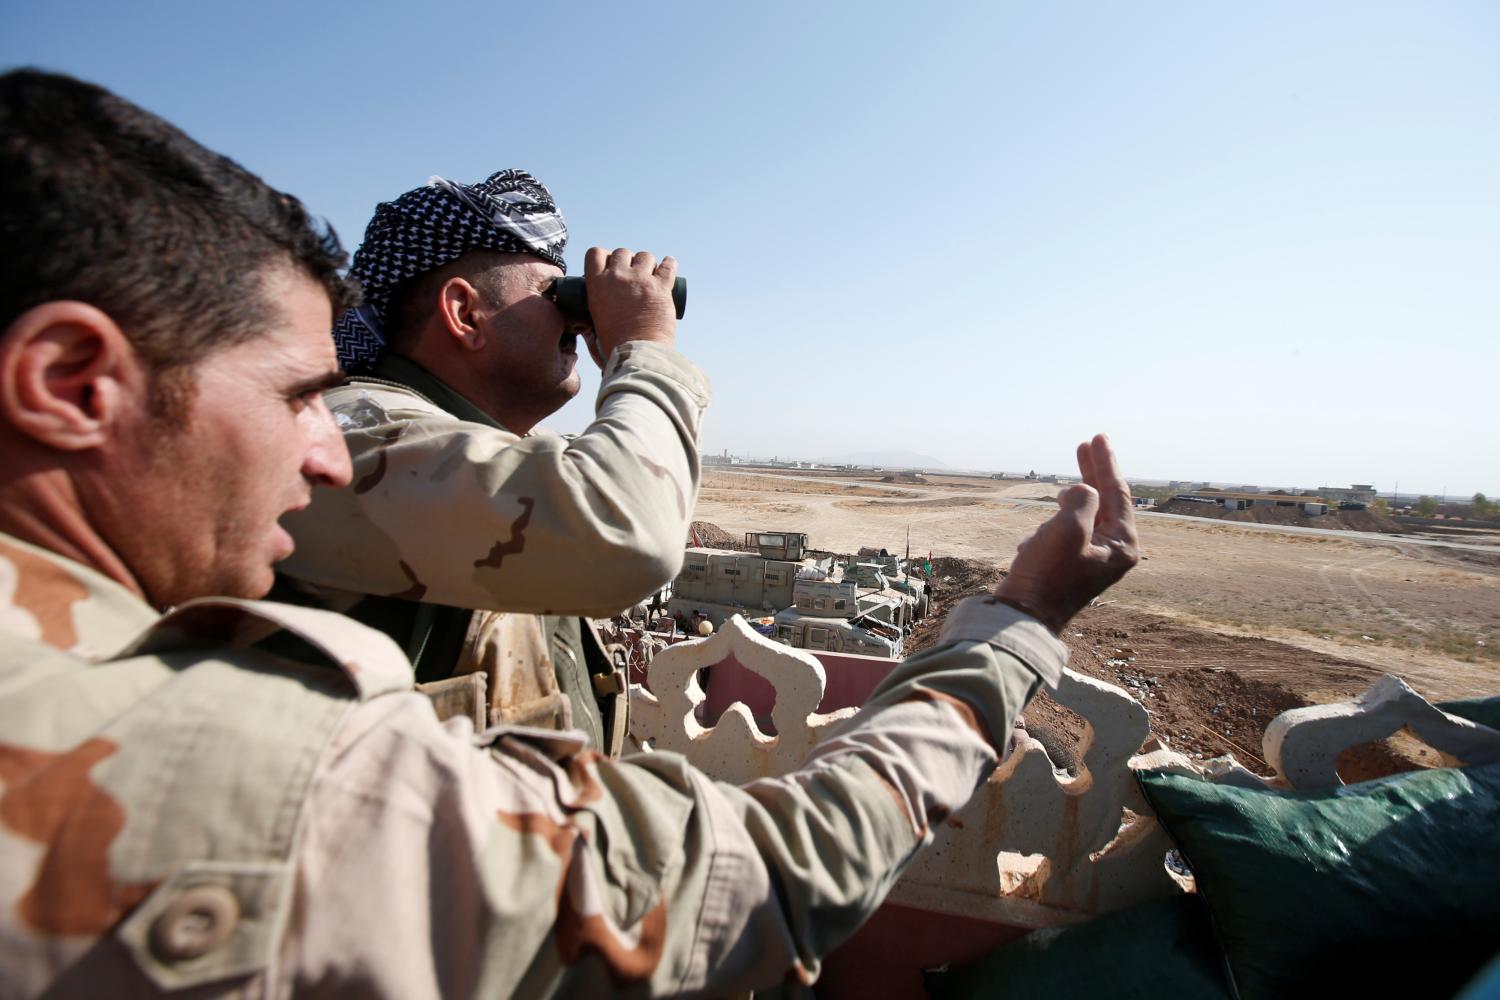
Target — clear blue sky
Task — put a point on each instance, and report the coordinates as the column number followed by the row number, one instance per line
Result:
column 1254, row 242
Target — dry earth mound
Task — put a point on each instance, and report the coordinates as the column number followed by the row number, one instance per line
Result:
column 1340, row 520
column 1208, row 693
column 920, row 504
column 952, row 580
column 711, row 536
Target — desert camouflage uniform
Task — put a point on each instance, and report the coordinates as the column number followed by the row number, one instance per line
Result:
column 448, row 511
column 185, row 810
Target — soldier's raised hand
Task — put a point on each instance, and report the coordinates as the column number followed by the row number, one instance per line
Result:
column 630, row 298
column 1082, row 549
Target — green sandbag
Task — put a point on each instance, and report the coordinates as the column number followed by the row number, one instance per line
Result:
column 1386, row 888
column 1159, row 951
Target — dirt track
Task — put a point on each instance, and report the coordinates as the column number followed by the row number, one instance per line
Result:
column 1207, row 598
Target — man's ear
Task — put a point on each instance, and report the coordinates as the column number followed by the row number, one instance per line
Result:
column 459, row 303
column 67, row 372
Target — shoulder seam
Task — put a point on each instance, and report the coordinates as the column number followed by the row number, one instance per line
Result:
column 371, row 380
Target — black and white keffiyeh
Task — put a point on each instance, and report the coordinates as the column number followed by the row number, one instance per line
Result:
column 428, row 227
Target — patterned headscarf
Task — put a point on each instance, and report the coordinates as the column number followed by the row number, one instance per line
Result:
column 424, row 229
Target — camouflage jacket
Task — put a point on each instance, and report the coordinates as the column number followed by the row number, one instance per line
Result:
column 448, row 510
column 186, row 810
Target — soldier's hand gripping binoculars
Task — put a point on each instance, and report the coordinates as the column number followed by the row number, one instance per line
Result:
column 572, row 297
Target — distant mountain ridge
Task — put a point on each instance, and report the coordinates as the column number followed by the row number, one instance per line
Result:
column 887, row 460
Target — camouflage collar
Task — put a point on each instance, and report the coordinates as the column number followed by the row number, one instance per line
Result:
column 407, row 373
column 65, row 604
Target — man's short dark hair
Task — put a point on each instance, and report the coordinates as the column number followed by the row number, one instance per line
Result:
column 105, row 203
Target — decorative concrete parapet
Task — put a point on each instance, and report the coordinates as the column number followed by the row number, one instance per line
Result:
column 1303, row 744
column 1035, row 847
column 735, row 749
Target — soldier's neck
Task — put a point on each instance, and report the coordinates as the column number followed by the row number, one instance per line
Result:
column 448, row 390
column 42, row 507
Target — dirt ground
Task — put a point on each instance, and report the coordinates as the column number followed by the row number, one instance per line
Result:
column 1218, row 630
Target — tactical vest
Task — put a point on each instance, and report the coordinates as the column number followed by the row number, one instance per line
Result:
column 175, row 779
column 591, row 677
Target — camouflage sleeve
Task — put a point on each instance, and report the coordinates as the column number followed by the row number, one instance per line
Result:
column 537, row 867
column 454, row 512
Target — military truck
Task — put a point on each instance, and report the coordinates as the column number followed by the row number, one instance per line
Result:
column 839, row 616
column 838, row 635
column 789, row 545
column 886, row 573
column 845, row 598
column 715, row 584
column 722, row 582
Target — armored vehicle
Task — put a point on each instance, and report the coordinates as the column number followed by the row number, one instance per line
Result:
column 777, row 544
column 717, row 583
column 837, row 635
column 885, row 573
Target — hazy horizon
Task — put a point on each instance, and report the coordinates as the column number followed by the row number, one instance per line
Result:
column 1254, row 244
column 900, row 462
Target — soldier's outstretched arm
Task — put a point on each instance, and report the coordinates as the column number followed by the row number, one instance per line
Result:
column 835, row 834
column 535, row 867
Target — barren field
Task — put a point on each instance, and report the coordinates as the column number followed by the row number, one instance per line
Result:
column 1208, row 596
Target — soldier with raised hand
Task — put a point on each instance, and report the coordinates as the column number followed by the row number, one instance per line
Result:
column 471, row 537
column 245, row 798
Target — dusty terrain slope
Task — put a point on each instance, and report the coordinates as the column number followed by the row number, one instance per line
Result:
column 1232, row 623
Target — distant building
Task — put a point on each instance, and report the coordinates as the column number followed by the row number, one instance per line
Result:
column 1358, row 493
column 1240, row 501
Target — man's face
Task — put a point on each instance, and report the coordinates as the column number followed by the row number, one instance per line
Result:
column 532, row 358
column 257, row 437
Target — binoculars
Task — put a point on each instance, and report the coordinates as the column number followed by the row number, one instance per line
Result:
column 572, row 297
